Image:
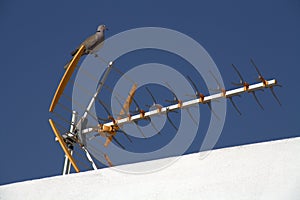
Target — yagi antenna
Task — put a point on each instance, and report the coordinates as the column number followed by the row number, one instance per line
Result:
column 108, row 127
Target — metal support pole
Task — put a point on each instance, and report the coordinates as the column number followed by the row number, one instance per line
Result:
column 89, row 157
column 73, row 121
column 67, row 163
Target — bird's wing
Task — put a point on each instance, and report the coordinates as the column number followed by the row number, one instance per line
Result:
column 88, row 43
column 91, row 42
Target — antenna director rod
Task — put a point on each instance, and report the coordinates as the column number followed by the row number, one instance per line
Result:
column 97, row 91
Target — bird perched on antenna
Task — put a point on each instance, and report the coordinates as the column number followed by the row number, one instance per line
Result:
column 92, row 43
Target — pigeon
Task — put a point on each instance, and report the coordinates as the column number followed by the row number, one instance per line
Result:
column 92, row 43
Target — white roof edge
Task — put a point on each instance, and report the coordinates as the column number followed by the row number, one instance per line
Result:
column 266, row 170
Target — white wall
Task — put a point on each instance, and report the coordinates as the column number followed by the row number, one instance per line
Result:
column 268, row 170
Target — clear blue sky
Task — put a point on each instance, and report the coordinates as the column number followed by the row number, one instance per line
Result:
column 37, row 36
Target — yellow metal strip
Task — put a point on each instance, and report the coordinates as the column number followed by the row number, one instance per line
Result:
column 65, row 79
column 124, row 110
column 108, row 160
column 63, row 145
column 128, row 101
column 108, row 141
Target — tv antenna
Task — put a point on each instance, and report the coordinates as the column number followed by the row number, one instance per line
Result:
column 109, row 126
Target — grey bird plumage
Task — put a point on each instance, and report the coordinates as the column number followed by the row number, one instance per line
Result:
column 92, row 43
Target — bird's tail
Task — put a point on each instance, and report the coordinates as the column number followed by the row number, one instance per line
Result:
column 74, row 52
column 67, row 65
